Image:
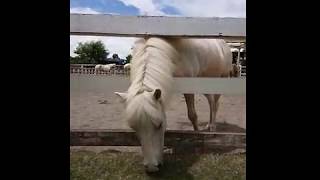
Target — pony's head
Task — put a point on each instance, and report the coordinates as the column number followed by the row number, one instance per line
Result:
column 151, row 82
column 146, row 115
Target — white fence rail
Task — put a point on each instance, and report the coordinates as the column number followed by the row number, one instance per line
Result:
column 90, row 69
column 243, row 71
column 89, row 83
column 231, row 29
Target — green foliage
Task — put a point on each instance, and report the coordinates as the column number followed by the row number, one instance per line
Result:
column 129, row 57
column 93, row 52
column 76, row 60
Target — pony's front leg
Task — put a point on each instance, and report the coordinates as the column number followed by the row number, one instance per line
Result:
column 192, row 114
column 213, row 101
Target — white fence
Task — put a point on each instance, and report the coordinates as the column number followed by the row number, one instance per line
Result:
column 243, row 71
column 90, row 69
column 89, row 83
column 230, row 29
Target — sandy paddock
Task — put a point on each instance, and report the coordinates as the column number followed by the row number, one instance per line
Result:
column 89, row 110
column 93, row 110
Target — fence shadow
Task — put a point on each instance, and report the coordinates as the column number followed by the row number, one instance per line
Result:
column 221, row 127
column 176, row 167
column 225, row 127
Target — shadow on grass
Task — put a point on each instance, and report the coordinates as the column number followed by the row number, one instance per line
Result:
column 175, row 167
column 86, row 165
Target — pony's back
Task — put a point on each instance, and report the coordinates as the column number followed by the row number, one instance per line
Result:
column 156, row 60
column 203, row 58
column 192, row 57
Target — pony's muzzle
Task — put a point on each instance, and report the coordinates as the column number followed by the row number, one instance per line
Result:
column 152, row 168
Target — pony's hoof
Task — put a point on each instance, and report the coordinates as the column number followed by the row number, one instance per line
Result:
column 211, row 128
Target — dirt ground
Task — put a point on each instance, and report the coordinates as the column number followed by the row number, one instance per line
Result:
column 93, row 110
column 89, row 110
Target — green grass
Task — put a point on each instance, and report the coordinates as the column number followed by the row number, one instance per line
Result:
column 87, row 165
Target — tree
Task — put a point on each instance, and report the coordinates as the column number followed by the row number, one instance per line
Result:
column 93, row 52
column 129, row 57
column 76, row 60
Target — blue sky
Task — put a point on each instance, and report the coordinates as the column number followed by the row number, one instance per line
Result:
column 117, row 7
column 106, row 6
column 191, row 8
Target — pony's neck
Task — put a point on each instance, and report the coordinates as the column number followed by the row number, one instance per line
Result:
column 152, row 67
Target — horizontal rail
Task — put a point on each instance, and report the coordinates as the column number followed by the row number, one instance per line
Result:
column 99, row 83
column 231, row 29
column 82, row 65
column 183, row 140
column 90, row 69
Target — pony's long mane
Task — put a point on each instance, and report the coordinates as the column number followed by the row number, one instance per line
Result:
column 153, row 65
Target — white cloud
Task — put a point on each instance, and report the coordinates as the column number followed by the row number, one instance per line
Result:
column 209, row 8
column 146, row 7
column 118, row 45
column 83, row 10
column 195, row 8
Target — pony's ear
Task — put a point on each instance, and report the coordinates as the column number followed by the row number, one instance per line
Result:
column 122, row 96
column 157, row 94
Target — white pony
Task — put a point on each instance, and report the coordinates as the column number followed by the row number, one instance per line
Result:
column 101, row 67
column 154, row 64
column 127, row 68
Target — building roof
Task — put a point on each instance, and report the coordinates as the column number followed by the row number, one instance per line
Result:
column 116, row 60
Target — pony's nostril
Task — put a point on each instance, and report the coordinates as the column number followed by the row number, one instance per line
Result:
column 151, row 169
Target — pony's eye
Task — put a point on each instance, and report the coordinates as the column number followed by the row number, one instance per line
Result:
column 160, row 126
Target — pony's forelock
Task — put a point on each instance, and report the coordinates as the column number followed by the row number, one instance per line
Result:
column 144, row 107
